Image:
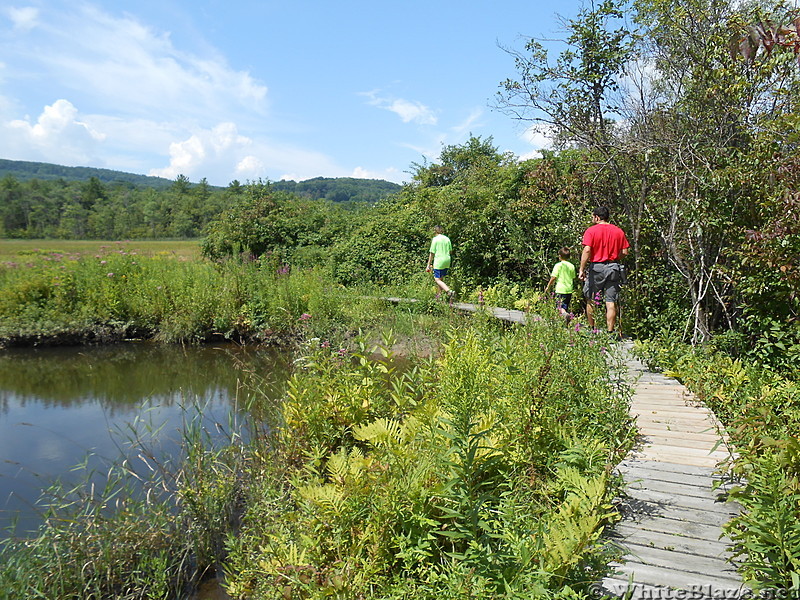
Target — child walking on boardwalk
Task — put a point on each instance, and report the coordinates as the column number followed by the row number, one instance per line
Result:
column 563, row 275
column 439, row 259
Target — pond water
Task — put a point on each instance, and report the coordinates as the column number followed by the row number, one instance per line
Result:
column 60, row 407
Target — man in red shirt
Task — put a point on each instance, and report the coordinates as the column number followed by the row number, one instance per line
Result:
column 603, row 245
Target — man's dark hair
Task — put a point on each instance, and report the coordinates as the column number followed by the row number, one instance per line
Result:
column 602, row 212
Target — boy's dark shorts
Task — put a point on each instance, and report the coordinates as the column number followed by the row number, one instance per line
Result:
column 606, row 278
column 439, row 273
column 562, row 301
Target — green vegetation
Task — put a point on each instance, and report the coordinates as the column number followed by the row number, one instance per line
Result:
column 465, row 477
column 22, row 170
column 456, row 478
column 117, row 293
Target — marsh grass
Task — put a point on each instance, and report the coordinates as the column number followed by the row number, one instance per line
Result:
column 18, row 250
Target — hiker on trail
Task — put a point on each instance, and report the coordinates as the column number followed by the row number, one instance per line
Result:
column 603, row 245
column 439, row 259
column 563, row 275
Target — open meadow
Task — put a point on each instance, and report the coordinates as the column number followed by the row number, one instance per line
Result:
column 16, row 250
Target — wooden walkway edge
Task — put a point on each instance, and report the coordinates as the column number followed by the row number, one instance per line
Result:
column 671, row 531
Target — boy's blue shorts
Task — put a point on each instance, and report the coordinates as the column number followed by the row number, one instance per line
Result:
column 439, row 273
column 562, row 301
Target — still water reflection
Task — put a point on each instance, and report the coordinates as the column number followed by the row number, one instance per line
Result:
column 62, row 406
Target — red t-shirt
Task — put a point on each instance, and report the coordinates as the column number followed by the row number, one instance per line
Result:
column 606, row 242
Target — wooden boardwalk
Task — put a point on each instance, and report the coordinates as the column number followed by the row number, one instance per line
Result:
column 671, row 531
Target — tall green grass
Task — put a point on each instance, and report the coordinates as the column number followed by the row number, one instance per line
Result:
column 58, row 298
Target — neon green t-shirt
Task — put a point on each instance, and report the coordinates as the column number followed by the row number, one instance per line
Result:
column 564, row 272
column 440, row 248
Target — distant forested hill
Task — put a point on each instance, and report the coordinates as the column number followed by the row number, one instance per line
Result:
column 25, row 171
column 335, row 189
column 41, row 200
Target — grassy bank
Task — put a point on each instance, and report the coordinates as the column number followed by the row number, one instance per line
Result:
column 115, row 292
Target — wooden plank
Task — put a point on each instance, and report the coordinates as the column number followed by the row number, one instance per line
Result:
column 697, row 432
column 676, row 527
column 665, row 448
column 699, row 461
column 672, row 574
column 705, row 508
column 648, row 472
column 681, row 421
column 627, row 534
column 675, row 439
column 671, row 487
column 666, row 466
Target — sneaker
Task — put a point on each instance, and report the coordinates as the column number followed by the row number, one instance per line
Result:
column 451, row 294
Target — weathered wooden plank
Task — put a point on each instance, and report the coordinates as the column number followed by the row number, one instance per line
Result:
column 666, row 449
column 698, row 431
column 656, row 455
column 640, row 510
column 667, row 466
column 649, row 472
column 663, row 502
column 676, row 527
column 676, row 489
column 632, row 535
column 672, row 575
column 669, row 417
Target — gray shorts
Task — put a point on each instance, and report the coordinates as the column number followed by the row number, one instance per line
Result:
column 606, row 278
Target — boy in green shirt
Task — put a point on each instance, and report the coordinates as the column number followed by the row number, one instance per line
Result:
column 563, row 275
column 439, row 258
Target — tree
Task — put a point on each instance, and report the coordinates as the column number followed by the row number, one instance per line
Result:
column 675, row 137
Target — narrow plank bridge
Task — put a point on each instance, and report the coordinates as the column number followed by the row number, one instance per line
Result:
column 673, row 510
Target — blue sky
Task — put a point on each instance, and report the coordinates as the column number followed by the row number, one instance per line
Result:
column 228, row 89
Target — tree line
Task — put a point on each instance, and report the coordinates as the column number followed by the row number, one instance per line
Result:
column 111, row 210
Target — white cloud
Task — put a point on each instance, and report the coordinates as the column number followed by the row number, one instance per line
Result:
column 191, row 155
column 250, row 167
column 57, row 136
column 25, row 18
column 221, row 153
column 469, row 123
column 540, row 137
column 412, row 111
column 122, row 66
column 408, row 110
column 390, row 174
